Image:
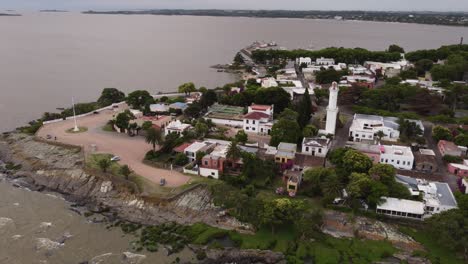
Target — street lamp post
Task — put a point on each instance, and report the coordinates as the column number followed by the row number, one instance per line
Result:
column 75, row 129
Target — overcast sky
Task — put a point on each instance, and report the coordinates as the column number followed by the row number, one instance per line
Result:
column 397, row 5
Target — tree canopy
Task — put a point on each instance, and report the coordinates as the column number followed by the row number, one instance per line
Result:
column 110, row 96
column 139, row 98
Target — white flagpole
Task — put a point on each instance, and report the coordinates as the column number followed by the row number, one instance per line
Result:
column 76, row 129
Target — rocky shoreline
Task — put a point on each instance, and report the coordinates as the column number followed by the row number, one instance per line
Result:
column 60, row 168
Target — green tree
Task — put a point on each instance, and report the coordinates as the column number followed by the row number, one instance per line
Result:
column 409, row 130
column 193, row 110
column 383, row 172
column 104, row 164
column 138, row 99
column 110, row 96
column 201, row 129
column 395, row 48
column 238, row 59
column 423, row 65
column 304, row 109
column 314, row 179
column 187, row 88
column 180, row 159
column 208, row 98
column 328, row 76
column 336, row 156
column 285, row 130
column 359, row 185
column 409, row 74
column 279, row 212
column 380, row 134
column 146, row 125
column 154, row 137
column 273, row 96
column 241, row 137
column 355, row 161
column 125, row 171
column 441, row 133
column 122, row 121
column 310, row 131
column 461, row 140
column 233, row 153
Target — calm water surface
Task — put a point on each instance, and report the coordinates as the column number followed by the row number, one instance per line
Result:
column 45, row 58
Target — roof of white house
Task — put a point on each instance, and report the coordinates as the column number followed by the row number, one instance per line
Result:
column 159, row 108
column 388, row 121
column 177, row 125
column 197, row 146
column 428, row 152
column 289, row 147
column 402, row 205
column 435, row 193
column 396, row 150
column 316, row 141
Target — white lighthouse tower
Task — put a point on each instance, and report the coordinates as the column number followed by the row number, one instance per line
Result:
column 332, row 110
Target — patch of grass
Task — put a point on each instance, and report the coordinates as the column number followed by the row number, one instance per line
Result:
column 108, row 128
column 80, row 130
column 436, row 253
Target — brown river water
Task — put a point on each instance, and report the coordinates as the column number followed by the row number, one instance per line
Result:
column 46, row 58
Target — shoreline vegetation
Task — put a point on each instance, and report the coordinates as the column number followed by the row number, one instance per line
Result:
column 429, row 18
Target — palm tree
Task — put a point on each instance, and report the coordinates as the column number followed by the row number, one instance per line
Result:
column 380, row 134
column 154, row 137
column 104, row 164
column 234, row 152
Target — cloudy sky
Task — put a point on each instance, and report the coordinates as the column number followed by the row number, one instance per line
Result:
column 397, row 5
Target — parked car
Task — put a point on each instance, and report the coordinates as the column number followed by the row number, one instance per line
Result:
column 115, row 158
column 162, row 182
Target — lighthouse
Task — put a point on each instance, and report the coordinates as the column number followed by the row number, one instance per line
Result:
column 332, row 110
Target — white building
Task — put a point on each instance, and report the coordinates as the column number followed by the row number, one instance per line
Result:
column 400, row 157
column 316, row 146
column 332, row 111
column 304, row 60
column 465, row 184
column 437, row 198
column 365, row 127
column 176, row 127
column 259, row 119
column 324, row 61
column 196, row 147
column 359, row 70
column 269, row 82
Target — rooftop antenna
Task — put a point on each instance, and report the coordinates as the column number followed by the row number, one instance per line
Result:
column 75, row 129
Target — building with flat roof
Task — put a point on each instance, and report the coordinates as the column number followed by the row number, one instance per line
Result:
column 286, row 153
column 226, row 115
column 400, row 157
column 365, row 127
column 324, row 61
column 449, row 148
column 176, row 127
column 196, row 147
column 436, row 198
column 425, row 160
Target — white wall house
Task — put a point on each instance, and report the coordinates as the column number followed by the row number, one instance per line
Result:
column 365, row 127
column 324, row 61
column 176, row 127
column 304, row 60
column 269, row 82
column 259, row 119
column 316, row 146
column 400, row 157
column 192, row 150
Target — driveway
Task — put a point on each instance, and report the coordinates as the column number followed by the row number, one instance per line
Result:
column 131, row 150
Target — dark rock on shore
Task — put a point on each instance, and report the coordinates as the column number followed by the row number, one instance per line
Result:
column 239, row 256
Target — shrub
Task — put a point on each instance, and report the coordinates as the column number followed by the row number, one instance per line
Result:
column 181, row 159
column 452, row 159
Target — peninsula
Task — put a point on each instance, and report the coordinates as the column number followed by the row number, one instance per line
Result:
column 319, row 156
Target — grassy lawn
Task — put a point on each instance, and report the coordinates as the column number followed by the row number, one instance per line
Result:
column 108, row 128
column 435, row 252
column 80, row 130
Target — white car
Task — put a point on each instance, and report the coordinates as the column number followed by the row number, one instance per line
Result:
column 115, row 158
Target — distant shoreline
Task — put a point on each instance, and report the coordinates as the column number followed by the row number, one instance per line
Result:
column 425, row 18
column 6, row 14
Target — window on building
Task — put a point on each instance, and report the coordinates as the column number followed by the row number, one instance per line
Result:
column 253, row 122
column 386, row 160
column 212, row 174
column 206, row 162
column 319, row 150
column 398, row 162
column 247, row 128
column 307, row 149
column 247, row 121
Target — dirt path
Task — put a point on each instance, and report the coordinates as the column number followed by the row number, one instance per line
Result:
column 131, row 150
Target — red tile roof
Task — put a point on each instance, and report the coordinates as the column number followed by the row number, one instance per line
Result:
column 256, row 115
column 260, row 107
column 181, row 148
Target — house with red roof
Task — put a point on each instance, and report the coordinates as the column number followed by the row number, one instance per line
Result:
column 259, row 119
